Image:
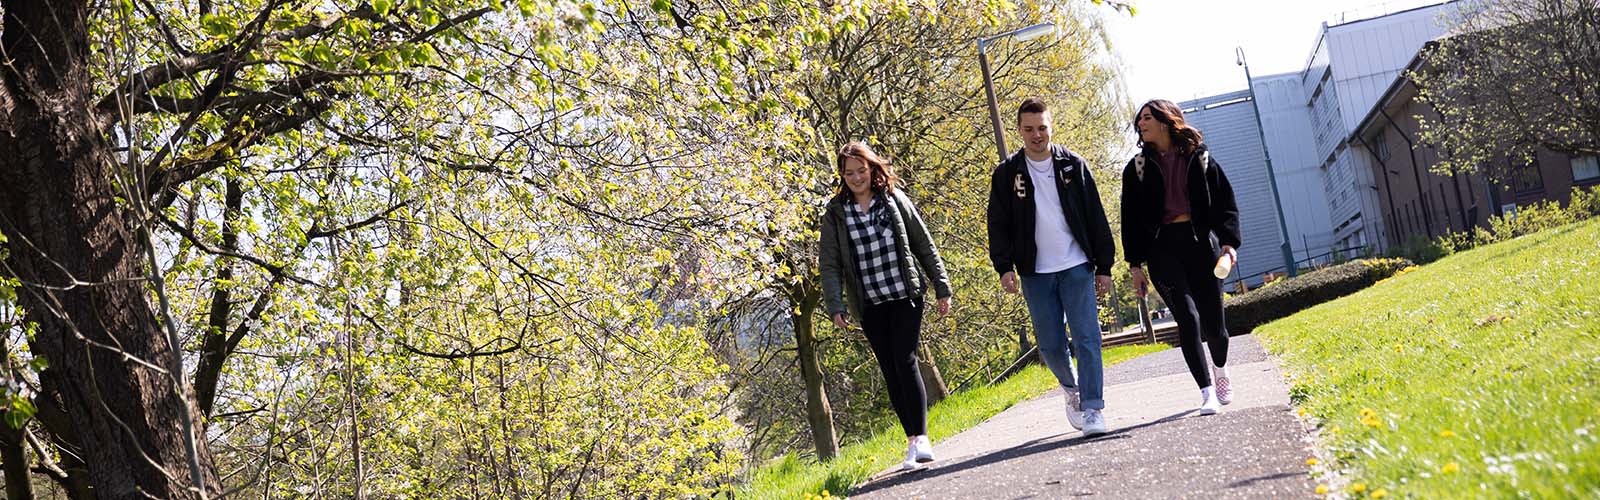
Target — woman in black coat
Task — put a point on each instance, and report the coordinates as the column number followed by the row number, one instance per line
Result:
column 1180, row 220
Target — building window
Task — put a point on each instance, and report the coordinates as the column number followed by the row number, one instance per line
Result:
column 1380, row 148
column 1526, row 178
column 1585, row 168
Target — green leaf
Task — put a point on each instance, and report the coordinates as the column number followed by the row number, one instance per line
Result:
column 382, row 6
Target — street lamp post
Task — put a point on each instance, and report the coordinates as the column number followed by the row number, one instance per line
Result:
column 1288, row 252
column 1024, row 34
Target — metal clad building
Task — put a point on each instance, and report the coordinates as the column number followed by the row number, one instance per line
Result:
column 1352, row 65
column 1329, row 196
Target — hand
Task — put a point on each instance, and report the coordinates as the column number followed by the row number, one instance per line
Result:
column 1102, row 285
column 1141, row 284
column 840, row 321
column 1232, row 254
column 943, row 305
column 1008, row 281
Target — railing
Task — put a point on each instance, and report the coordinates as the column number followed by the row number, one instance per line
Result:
column 1313, row 262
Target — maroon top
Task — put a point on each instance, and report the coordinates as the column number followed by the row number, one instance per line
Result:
column 1175, row 173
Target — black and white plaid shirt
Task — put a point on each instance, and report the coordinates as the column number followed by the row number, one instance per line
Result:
column 877, row 259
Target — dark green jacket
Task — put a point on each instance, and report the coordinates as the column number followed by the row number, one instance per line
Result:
column 836, row 259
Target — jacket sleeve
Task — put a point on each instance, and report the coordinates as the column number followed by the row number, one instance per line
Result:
column 1224, row 210
column 1133, row 245
column 1000, row 223
column 828, row 258
column 927, row 255
column 1105, row 248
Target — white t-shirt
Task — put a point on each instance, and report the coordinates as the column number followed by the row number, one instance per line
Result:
column 1057, row 250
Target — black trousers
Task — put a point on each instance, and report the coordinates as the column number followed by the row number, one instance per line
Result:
column 1180, row 265
column 894, row 329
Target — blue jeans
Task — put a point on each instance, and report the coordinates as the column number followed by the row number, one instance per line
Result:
column 1068, row 293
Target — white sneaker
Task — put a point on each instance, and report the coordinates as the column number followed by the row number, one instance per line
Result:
column 911, row 459
column 922, row 449
column 1208, row 402
column 1224, row 390
column 1074, row 408
column 1094, row 424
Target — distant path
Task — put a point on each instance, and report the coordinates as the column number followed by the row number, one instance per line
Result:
column 1157, row 448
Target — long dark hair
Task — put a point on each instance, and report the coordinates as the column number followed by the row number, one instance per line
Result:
column 883, row 178
column 1185, row 137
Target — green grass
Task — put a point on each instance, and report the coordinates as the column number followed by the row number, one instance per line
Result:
column 1475, row 376
column 792, row 477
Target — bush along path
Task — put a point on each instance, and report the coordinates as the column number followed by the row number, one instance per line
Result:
column 1157, row 448
column 1473, row 376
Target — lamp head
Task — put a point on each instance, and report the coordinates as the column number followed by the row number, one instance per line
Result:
column 1035, row 31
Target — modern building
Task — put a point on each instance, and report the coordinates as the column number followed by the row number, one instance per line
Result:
column 1351, row 66
column 1330, row 195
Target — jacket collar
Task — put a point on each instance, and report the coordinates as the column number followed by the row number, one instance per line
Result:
column 1059, row 155
column 841, row 198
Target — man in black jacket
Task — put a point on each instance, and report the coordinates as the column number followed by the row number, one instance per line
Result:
column 1046, row 224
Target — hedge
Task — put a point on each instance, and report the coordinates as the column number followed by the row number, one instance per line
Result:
column 1285, row 297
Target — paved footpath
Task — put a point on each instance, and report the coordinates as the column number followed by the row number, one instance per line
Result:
column 1157, row 448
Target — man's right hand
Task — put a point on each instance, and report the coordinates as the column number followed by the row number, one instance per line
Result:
column 1008, row 281
column 840, row 321
column 1141, row 283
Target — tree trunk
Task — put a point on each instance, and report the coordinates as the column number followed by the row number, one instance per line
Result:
column 818, row 411
column 14, row 459
column 111, row 366
column 932, row 382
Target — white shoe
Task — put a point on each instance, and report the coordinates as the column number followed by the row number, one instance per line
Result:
column 1094, row 424
column 922, row 449
column 1074, row 408
column 911, row 459
column 1224, row 390
column 1208, row 402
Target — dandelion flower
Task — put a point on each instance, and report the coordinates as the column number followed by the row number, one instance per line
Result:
column 1447, row 433
column 1450, row 468
column 1322, row 489
column 1311, row 461
column 1380, row 493
column 1358, row 487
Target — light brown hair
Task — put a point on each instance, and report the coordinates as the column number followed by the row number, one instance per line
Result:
column 883, row 178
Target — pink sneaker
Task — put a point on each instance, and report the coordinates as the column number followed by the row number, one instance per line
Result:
column 1224, row 390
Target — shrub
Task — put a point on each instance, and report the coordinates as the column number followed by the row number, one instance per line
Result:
column 1421, row 250
column 1543, row 215
column 1257, row 307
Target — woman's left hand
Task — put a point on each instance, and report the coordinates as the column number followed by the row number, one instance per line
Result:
column 1231, row 253
column 943, row 305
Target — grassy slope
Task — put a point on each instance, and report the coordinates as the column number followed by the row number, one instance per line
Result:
column 793, row 477
column 1477, row 375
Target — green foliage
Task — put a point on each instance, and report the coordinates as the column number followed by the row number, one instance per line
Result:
column 1421, row 250
column 1471, row 376
column 491, row 249
column 1258, row 307
column 1512, row 79
column 1584, row 204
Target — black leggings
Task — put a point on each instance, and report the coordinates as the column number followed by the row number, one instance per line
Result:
column 1180, row 266
column 894, row 329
